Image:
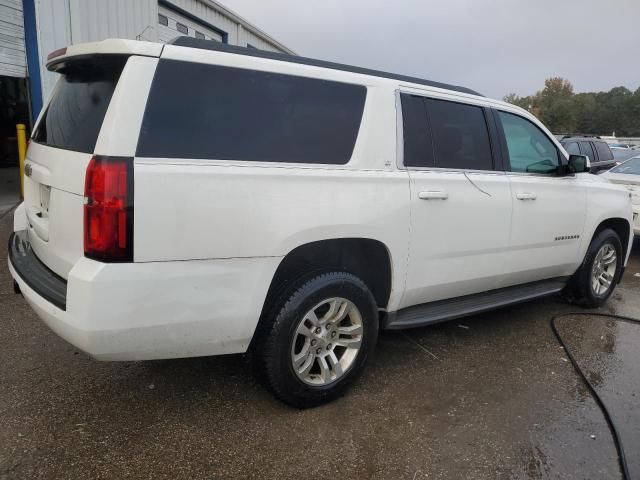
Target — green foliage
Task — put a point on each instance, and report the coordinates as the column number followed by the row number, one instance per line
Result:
column 564, row 111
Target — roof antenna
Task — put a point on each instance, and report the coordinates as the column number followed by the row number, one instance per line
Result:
column 139, row 36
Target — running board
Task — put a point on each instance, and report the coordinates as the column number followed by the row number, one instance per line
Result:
column 442, row 310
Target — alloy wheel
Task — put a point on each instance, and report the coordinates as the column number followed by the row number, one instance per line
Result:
column 603, row 270
column 326, row 341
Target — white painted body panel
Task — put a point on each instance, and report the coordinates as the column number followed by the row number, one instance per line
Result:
column 605, row 200
column 55, row 234
column 140, row 311
column 458, row 245
column 209, row 234
column 558, row 210
column 632, row 183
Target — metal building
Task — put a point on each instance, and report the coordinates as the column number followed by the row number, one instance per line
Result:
column 31, row 29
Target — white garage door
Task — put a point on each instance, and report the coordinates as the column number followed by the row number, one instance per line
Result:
column 12, row 54
column 172, row 24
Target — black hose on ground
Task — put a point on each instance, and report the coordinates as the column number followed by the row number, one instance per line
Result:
column 614, row 431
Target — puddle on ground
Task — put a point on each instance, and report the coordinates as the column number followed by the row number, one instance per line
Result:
column 608, row 353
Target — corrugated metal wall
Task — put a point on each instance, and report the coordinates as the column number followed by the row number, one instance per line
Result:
column 237, row 34
column 245, row 37
column 65, row 22
column 209, row 15
column 94, row 20
column 12, row 54
column 54, row 31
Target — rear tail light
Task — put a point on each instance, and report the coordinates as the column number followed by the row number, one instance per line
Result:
column 108, row 209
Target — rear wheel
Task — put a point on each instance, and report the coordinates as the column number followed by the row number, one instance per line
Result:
column 317, row 341
column 596, row 279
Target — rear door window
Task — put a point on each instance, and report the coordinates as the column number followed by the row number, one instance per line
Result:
column 418, row 145
column 460, row 135
column 73, row 119
column 204, row 111
column 572, row 148
column 443, row 134
column 587, row 150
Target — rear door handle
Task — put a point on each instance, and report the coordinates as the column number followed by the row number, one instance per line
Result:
column 526, row 196
column 433, row 195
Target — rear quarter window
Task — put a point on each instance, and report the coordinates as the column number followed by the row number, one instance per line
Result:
column 604, row 152
column 213, row 112
column 74, row 116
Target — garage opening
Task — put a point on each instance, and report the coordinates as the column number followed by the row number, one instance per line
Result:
column 14, row 109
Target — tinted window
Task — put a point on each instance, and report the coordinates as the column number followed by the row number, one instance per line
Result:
column 587, row 150
column 572, row 148
column 163, row 20
column 418, row 149
column 530, row 150
column 460, row 135
column 74, row 116
column 237, row 114
column 182, row 28
column 604, row 152
column 199, row 34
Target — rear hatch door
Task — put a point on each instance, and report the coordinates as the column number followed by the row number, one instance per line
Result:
column 62, row 146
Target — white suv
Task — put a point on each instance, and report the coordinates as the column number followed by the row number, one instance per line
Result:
column 200, row 199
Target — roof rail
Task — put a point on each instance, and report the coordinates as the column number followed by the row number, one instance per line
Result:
column 283, row 57
column 574, row 135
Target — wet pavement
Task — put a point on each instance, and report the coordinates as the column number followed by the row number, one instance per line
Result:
column 607, row 352
column 489, row 396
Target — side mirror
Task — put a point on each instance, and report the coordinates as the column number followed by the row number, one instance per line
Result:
column 579, row 164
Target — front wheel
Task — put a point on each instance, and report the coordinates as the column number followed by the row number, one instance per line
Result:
column 596, row 279
column 317, row 341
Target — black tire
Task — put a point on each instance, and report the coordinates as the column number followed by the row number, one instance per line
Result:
column 579, row 290
column 271, row 351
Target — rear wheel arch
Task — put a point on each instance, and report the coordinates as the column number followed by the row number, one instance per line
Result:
column 366, row 258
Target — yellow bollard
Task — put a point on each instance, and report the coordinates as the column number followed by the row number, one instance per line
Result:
column 21, row 134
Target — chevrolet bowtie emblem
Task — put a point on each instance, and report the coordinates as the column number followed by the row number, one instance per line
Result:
column 28, row 169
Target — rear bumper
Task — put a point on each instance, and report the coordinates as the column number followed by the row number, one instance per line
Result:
column 34, row 273
column 140, row 311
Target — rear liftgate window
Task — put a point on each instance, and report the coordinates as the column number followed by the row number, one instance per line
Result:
column 75, row 114
column 211, row 112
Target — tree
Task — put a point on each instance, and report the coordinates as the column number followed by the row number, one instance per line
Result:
column 564, row 111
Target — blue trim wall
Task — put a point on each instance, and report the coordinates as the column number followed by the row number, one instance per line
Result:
column 33, row 58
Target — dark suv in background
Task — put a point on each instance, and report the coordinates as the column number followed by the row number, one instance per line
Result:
column 595, row 148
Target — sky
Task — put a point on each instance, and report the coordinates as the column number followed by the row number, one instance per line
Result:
column 495, row 47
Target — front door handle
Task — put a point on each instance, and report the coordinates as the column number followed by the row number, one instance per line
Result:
column 526, row 196
column 433, row 195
